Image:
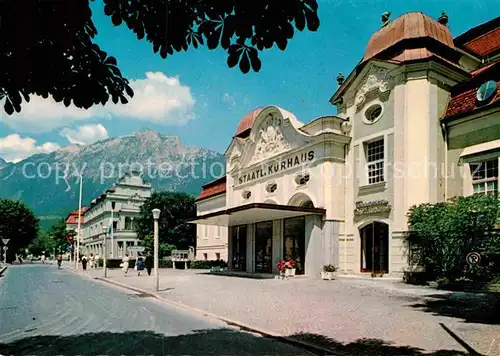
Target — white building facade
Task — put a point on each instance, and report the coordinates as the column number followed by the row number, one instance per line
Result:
column 418, row 121
column 121, row 206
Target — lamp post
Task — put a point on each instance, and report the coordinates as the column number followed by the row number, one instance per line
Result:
column 112, row 230
column 105, row 252
column 79, row 224
column 4, row 249
column 156, row 216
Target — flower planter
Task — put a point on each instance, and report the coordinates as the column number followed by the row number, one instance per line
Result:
column 327, row 275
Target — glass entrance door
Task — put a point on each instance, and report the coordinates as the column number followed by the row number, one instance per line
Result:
column 294, row 242
column 239, row 247
column 264, row 247
column 375, row 248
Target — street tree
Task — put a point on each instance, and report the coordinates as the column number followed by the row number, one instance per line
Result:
column 58, row 232
column 17, row 223
column 48, row 47
column 43, row 243
column 173, row 230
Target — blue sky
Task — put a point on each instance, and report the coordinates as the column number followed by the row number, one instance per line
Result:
column 212, row 98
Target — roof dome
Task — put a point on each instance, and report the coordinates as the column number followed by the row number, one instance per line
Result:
column 247, row 121
column 412, row 25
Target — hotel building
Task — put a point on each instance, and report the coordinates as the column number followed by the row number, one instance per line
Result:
column 418, row 121
column 125, row 199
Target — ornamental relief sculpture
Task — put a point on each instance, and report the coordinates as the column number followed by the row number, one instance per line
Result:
column 378, row 80
column 271, row 142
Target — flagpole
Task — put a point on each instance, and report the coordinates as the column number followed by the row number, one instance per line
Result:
column 79, row 225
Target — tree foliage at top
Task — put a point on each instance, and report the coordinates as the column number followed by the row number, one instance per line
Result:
column 173, row 230
column 52, row 240
column 48, row 46
column 17, row 223
column 442, row 234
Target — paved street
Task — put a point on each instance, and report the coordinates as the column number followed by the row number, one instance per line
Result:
column 397, row 319
column 46, row 311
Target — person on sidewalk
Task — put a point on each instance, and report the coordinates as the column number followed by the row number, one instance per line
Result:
column 124, row 264
column 92, row 261
column 97, row 261
column 149, row 263
column 59, row 260
column 84, row 262
column 139, row 265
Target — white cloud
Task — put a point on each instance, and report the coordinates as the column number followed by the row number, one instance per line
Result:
column 14, row 148
column 85, row 134
column 157, row 98
column 227, row 98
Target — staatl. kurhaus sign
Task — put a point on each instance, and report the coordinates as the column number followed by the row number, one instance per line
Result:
column 269, row 169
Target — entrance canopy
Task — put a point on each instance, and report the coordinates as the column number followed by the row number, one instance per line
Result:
column 252, row 213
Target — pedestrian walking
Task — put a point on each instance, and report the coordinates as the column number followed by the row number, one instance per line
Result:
column 97, row 260
column 92, row 261
column 43, row 258
column 139, row 265
column 59, row 260
column 84, row 262
column 149, row 263
column 124, row 264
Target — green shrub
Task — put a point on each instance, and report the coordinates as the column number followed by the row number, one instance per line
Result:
column 441, row 235
column 165, row 263
column 207, row 264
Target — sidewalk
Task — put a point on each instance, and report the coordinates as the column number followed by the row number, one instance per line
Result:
column 333, row 313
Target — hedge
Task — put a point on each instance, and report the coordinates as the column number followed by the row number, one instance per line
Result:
column 207, row 264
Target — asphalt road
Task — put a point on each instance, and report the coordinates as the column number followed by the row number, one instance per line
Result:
column 46, row 311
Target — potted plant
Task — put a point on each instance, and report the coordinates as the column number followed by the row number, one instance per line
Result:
column 286, row 268
column 328, row 271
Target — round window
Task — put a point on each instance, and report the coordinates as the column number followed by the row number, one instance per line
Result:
column 373, row 113
column 246, row 194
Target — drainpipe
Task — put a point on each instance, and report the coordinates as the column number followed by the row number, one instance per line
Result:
column 445, row 134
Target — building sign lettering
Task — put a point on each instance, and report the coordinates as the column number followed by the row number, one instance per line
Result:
column 276, row 167
column 372, row 207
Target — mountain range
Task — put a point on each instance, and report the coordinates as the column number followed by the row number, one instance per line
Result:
column 49, row 183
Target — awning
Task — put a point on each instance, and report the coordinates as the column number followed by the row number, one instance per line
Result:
column 480, row 149
column 252, row 213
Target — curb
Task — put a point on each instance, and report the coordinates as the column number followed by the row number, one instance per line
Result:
column 2, row 270
column 282, row 338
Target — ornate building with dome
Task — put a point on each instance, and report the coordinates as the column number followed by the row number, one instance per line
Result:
column 418, row 121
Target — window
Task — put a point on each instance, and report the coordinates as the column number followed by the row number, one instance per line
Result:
column 375, row 161
column 205, row 256
column 485, row 176
column 115, row 225
column 217, row 256
column 373, row 113
column 128, row 223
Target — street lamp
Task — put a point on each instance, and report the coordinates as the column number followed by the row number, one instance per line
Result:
column 4, row 249
column 156, row 216
column 113, row 204
column 105, row 252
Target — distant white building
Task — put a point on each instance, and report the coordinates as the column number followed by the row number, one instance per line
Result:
column 127, row 196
